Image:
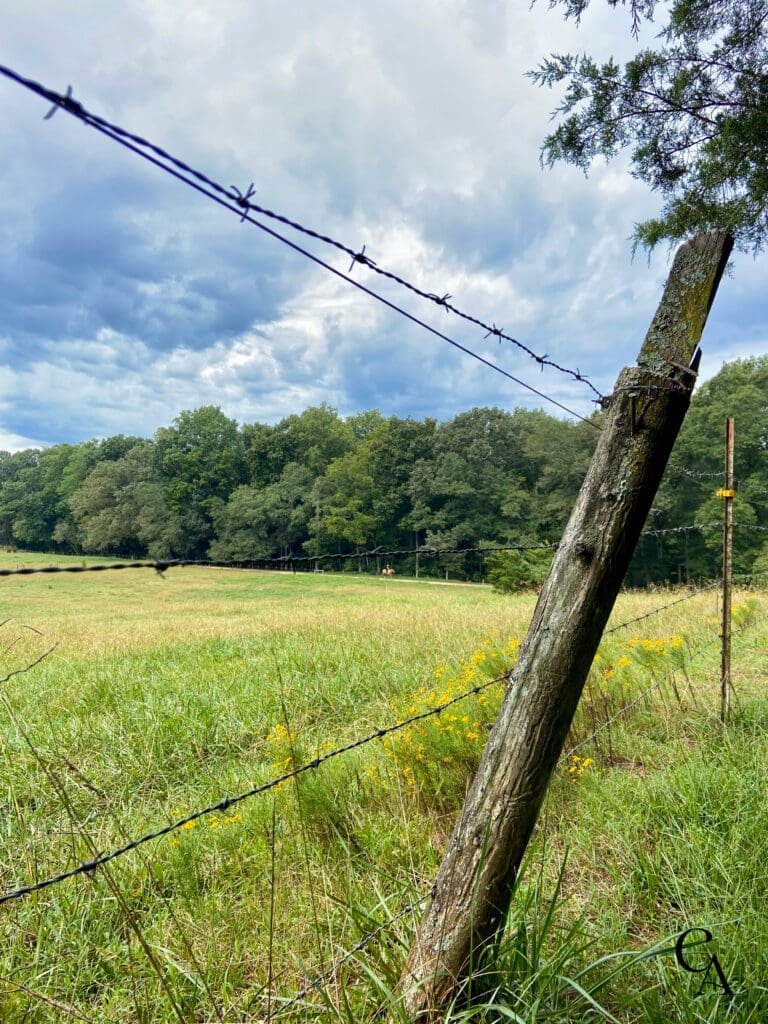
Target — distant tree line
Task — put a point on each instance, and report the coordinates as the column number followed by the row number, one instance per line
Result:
column 317, row 482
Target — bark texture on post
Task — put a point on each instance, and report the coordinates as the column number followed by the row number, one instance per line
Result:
column 476, row 879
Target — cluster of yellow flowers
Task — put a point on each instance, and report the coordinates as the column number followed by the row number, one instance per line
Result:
column 614, row 662
column 458, row 734
column 658, row 646
column 212, row 822
column 281, row 744
column 455, row 736
column 578, row 766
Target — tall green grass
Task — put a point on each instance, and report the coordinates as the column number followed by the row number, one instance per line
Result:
column 165, row 695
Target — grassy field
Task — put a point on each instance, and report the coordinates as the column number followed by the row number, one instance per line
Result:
column 163, row 695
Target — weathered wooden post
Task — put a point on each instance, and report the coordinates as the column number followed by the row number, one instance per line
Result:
column 474, row 886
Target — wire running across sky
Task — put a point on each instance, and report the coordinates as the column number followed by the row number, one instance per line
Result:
column 240, row 203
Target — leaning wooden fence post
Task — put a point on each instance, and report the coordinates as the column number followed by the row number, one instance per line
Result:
column 727, row 494
column 475, row 882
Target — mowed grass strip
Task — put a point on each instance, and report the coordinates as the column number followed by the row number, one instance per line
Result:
column 166, row 694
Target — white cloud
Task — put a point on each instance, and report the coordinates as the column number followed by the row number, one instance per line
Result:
column 405, row 127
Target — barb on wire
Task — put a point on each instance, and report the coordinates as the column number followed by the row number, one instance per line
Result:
column 68, row 103
column 680, row 529
column 243, row 198
column 694, row 474
column 162, row 158
column 750, row 526
column 360, row 257
column 657, row 611
column 87, row 867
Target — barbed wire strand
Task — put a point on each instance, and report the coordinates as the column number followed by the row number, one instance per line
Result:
column 659, row 682
column 751, row 490
column 696, row 475
column 245, row 204
column 681, row 529
column 750, row 575
column 662, row 608
column 104, row 858
column 628, row 707
column 161, row 565
column 363, row 288
column 412, row 907
column 336, row 966
column 230, row 203
column 718, row 524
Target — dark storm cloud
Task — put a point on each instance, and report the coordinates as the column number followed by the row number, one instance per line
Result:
column 125, row 297
column 94, row 261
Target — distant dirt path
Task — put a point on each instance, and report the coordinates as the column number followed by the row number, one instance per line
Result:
column 387, row 580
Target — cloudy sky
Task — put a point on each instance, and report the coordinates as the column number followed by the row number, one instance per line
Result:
column 405, row 127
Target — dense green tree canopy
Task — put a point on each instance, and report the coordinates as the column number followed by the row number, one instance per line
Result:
column 693, row 111
column 317, row 483
column 201, row 460
column 119, row 504
column 739, row 390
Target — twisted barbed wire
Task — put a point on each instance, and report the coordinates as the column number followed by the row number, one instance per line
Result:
column 750, row 575
column 162, row 565
column 632, row 704
column 336, row 966
column 234, row 203
column 159, row 567
column 662, row 608
column 87, row 867
column 332, row 971
column 694, row 474
column 244, row 201
column 701, row 525
column 680, row 529
column 424, row 549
